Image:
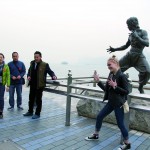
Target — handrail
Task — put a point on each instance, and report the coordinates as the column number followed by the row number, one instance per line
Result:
column 77, row 83
column 84, row 87
column 63, row 84
column 56, row 83
column 140, row 96
column 88, row 77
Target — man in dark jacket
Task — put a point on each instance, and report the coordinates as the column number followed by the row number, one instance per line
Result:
column 37, row 81
column 17, row 71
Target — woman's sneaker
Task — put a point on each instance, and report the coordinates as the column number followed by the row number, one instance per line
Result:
column 92, row 137
column 125, row 147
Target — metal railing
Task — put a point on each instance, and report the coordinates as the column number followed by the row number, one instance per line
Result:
column 77, row 83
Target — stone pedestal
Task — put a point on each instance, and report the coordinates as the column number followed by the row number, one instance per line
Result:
column 139, row 118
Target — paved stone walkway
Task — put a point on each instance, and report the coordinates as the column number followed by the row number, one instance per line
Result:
column 50, row 133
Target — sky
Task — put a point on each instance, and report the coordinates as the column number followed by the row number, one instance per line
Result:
column 68, row 30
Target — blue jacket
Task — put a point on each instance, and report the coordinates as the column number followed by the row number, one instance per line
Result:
column 16, row 68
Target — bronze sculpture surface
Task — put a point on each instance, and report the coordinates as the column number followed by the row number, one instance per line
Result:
column 138, row 39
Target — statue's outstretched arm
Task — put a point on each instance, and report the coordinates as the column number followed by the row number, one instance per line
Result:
column 121, row 48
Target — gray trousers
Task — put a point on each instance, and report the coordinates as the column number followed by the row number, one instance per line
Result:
column 139, row 62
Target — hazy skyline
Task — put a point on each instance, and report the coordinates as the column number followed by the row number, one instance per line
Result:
column 70, row 30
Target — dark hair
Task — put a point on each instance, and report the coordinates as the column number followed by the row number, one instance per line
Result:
column 2, row 55
column 37, row 52
column 133, row 21
column 14, row 53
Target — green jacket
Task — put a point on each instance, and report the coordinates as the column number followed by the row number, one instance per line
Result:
column 6, row 75
column 43, row 69
column 41, row 75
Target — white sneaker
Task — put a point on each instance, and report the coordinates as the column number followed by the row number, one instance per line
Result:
column 92, row 137
column 125, row 147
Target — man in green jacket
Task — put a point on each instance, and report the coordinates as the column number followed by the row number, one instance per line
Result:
column 37, row 80
column 4, row 80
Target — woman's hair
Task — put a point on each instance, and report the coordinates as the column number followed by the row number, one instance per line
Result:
column 114, row 59
column 2, row 55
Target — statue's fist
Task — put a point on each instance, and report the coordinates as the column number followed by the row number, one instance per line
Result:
column 134, row 35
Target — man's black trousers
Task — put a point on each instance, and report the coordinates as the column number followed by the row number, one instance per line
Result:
column 35, row 95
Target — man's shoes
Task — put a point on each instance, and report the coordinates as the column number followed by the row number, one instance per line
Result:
column 92, row 137
column 141, row 90
column 10, row 108
column 35, row 116
column 1, row 116
column 20, row 108
column 28, row 114
column 125, row 147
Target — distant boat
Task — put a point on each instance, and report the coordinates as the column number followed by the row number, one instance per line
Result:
column 64, row 63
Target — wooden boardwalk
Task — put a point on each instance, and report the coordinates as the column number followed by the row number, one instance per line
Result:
column 50, row 133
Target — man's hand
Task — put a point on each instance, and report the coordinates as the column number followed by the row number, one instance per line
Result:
column 29, row 78
column 111, row 49
column 14, row 78
column 19, row 77
column 54, row 77
column 7, row 89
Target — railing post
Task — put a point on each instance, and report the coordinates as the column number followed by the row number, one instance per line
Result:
column 127, row 115
column 68, row 101
column 94, row 83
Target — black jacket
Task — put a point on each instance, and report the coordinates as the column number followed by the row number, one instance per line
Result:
column 117, row 96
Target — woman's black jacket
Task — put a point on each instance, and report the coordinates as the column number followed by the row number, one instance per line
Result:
column 117, row 96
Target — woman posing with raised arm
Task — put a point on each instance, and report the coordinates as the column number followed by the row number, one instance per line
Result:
column 116, row 90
